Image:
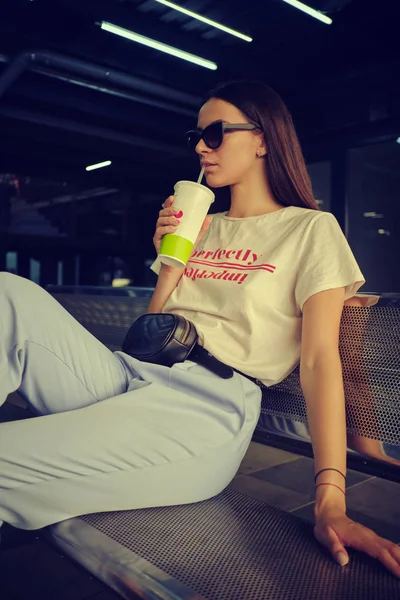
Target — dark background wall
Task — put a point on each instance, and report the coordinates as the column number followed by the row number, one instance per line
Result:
column 73, row 95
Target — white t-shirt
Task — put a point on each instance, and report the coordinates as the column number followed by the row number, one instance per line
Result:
column 245, row 285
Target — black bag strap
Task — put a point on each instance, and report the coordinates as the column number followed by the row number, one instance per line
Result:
column 204, row 358
column 207, row 360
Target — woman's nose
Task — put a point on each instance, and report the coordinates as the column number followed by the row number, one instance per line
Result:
column 201, row 148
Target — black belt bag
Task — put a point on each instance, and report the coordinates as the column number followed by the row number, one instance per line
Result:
column 165, row 339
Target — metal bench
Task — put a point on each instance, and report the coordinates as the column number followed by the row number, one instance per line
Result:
column 233, row 547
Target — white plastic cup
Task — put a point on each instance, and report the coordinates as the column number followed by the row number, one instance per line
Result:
column 193, row 202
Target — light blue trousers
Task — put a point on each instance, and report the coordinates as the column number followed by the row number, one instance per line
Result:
column 112, row 433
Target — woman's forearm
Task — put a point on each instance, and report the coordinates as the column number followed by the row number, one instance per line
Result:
column 168, row 279
column 323, row 390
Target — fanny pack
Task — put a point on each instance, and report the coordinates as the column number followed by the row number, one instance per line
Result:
column 165, row 339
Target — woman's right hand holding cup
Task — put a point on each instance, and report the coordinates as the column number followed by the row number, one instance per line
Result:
column 167, row 223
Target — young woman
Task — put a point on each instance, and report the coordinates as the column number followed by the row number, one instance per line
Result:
column 265, row 288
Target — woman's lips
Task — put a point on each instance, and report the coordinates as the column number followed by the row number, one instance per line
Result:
column 207, row 168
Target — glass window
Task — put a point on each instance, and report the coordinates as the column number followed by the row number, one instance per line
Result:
column 11, row 262
column 320, row 175
column 77, row 275
column 60, row 272
column 34, row 270
column 373, row 214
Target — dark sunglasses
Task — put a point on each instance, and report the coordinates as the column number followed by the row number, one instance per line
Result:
column 213, row 135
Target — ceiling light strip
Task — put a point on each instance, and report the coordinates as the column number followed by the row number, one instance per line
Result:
column 310, row 11
column 141, row 39
column 106, row 163
column 210, row 22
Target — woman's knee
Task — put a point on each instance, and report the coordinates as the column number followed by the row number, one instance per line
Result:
column 19, row 292
column 11, row 283
column 6, row 277
column 8, row 281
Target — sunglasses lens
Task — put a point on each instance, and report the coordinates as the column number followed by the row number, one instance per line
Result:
column 213, row 135
column 193, row 138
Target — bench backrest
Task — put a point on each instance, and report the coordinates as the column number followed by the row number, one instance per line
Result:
column 370, row 353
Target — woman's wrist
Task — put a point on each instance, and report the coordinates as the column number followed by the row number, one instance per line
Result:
column 330, row 491
column 329, row 498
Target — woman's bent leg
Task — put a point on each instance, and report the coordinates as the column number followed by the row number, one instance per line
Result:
column 179, row 439
column 153, row 446
column 54, row 362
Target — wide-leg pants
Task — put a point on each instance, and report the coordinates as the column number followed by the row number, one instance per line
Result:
column 112, row 433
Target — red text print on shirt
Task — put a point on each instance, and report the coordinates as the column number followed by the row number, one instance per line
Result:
column 221, row 266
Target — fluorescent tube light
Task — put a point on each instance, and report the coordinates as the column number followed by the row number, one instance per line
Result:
column 310, row 11
column 106, row 163
column 141, row 39
column 194, row 15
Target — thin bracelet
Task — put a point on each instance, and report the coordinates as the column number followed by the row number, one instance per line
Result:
column 336, row 486
column 329, row 469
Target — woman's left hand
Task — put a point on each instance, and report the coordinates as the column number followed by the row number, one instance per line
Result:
column 335, row 531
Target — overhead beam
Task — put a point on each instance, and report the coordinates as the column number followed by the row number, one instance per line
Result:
column 91, row 130
column 29, row 60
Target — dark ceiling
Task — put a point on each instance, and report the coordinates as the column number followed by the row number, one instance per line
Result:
column 72, row 94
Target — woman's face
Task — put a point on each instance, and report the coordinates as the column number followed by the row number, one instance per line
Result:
column 234, row 160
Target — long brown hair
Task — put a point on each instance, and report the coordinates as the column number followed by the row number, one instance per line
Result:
column 286, row 169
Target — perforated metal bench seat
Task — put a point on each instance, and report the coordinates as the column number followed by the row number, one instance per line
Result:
column 231, row 547
column 234, row 547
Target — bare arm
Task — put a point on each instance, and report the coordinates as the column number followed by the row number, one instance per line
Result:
column 322, row 383
column 168, row 279
column 322, row 386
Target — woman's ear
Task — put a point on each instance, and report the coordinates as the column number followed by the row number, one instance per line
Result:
column 261, row 148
